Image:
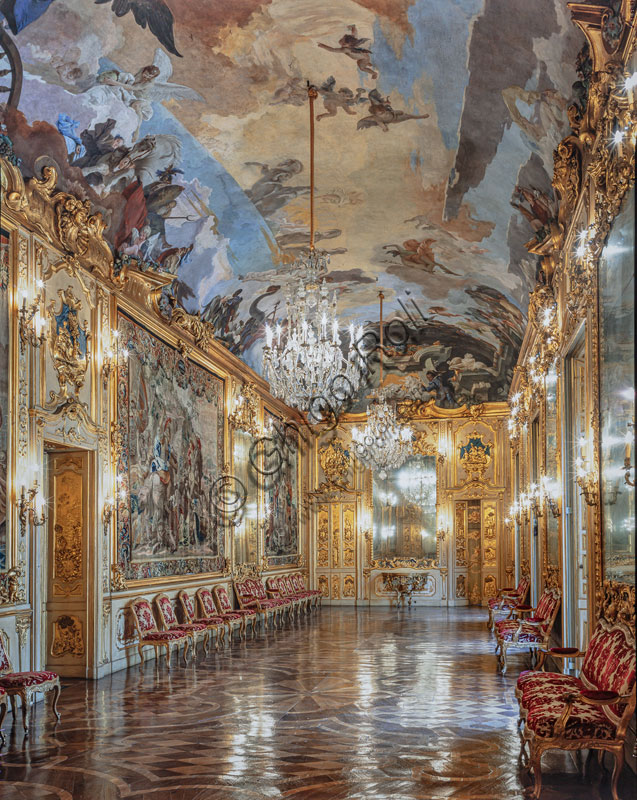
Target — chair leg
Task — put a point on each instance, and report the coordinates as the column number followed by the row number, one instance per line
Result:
column 140, row 650
column 535, row 764
column 504, row 658
column 490, row 621
column 617, row 768
column 56, row 694
column 168, row 649
column 3, row 711
column 187, row 644
column 600, row 760
column 206, row 643
column 24, row 696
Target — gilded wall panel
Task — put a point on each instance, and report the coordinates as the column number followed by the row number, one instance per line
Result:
column 336, row 537
column 461, row 534
column 324, row 585
column 323, row 537
column 349, row 535
column 349, row 586
column 68, row 524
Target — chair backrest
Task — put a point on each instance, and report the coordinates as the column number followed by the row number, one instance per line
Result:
column 547, row 604
column 523, row 588
column 289, row 586
column 258, row 589
column 609, row 664
column 166, row 611
column 302, row 585
column 244, row 591
column 143, row 616
column 5, row 663
column 207, row 603
column 222, row 600
column 272, row 584
column 188, row 605
column 297, row 581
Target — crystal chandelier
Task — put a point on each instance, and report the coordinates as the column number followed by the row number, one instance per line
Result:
column 383, row 444
column 303, row 360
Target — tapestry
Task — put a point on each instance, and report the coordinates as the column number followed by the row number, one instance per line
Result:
column 281, row 464
column 4, row 390
column 170, row 421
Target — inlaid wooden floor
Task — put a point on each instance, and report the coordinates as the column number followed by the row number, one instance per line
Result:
column 347, row 704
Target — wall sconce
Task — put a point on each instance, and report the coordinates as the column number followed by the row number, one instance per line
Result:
column 109, row 358
column 107, row 511
column 550, row 494
column 525, row 506
column 585, row 476
column 245, row 410
column 628, row 440
column 536, row 501
column 30, row 321
column 30, row 508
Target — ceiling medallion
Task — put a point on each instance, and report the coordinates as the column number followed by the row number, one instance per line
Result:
column 303, row 358
column 383, row 444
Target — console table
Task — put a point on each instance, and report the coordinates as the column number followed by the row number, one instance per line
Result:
column 404, row 584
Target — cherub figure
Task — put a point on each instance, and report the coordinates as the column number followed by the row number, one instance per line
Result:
column 351, row 46
column 343, row 98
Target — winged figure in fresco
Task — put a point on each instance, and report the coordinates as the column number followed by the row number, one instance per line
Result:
column 268, row 193
column 351, row 46
column 417, row 255
column 382, row 114
column 153, row 14
column 334, row 99
column 149, row 85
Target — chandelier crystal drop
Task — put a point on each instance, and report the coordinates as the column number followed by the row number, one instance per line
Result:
column 418, row 485
column 303, row 359
column 383, row 444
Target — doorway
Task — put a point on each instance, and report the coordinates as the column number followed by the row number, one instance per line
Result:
column 68, row 628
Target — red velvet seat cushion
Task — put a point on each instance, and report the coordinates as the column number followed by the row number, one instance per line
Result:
column 585, row 721
column 541, row 687
column 216, row 620
column 191, row 627
column 241, row 612
column 564, row 651
column 230, row 615
column 529, row 634
column 166, row 636
column 271, row 603
column 16, row 680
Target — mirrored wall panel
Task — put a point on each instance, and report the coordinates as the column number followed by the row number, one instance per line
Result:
column 246, row 528
column 550, row 479
column 617, row 395
column 405, row 511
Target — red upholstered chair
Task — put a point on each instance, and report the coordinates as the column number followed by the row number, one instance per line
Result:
column 149, row 635
column 507, row 600
column 197, row 631
column 533, row 632
column 208, row 609
column 23, row 684
column 298, row 582
column 224, row 606
column 3, row 710
column 591, row 711
column 246, row 591
column 277, row 588
column 215, row 624
column 282, row 604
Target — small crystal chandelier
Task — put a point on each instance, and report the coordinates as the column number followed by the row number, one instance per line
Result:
column 418, row 485
column 383, row 444
column 304, row 363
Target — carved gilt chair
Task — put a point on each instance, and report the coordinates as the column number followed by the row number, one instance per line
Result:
column 151, row 636
column 197, row 631
column 533, row 632
column 224, row 606
column 298, row 581
column 259, row 591
column 214, row 624
column 24, row 684
column 246, row 595
column 277, row 588
column 292, row 590
column 232, row 619
column 591, row 711
column 507, row 599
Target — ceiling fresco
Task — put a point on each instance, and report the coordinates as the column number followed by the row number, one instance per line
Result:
column 186, row 123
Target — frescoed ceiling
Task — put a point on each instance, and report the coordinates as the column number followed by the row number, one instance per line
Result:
column 186, row 123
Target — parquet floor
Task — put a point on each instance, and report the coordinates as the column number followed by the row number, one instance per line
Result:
column 348, row 704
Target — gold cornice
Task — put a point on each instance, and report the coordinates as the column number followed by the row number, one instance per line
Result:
column 429, row 411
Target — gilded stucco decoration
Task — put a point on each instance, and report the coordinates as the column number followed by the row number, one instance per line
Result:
column 461, row 534
column 461, row 586
column 67, row 637
column 11, row 590
column 349, row 586
column 349, row 535
column 323, row 538
column 245, row 413
column 475, row 457
column 335, row 462
column 69, row 342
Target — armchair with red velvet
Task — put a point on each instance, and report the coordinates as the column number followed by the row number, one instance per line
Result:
column 277, row 587
column 298, row 582
column 231, row 619
column 23, row 685
column 507, row 599
column 224, row 606
column 259, row 591
column 149, row 635
column 249, row 597
column 532, row 632
column 214, row 624
column 196, row 631
column 591, row 711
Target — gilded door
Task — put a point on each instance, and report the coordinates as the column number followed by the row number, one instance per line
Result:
column 336, row 550
column 67, row 622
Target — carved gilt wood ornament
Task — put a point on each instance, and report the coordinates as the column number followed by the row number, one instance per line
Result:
column 335, row 462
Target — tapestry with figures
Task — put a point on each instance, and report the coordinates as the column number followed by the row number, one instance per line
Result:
column 170, row 413
column 281, row 464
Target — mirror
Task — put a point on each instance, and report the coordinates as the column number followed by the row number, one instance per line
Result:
column 405, row 511
column 551, row 470
column 617, row 396
column 246, row 528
